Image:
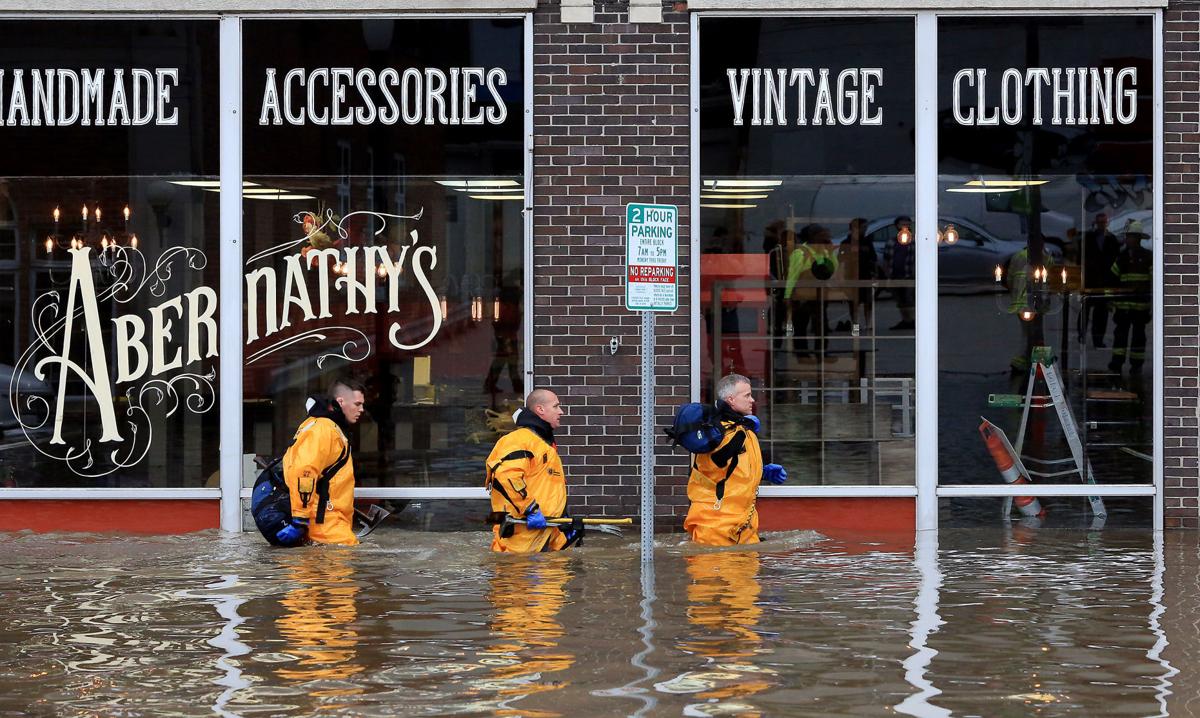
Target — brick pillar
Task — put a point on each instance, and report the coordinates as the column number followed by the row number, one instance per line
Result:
column 1181, row 262
column 610, row 127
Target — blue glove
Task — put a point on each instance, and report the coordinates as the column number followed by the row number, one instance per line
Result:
column 536, row 520
column 774, row 474
column 753, row 422
column 294, row 533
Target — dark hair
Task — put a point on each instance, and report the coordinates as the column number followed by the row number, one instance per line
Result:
column 348, row 383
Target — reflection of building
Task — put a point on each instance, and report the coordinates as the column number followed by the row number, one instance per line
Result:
column 522, row 186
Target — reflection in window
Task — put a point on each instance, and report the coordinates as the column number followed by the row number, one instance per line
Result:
column 806, row 267
column 1053, row 263
column 108, row 272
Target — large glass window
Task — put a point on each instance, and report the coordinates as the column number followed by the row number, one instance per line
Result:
column 108, row 268
column 384, row 235
column 806, row 267
column 1047, row 239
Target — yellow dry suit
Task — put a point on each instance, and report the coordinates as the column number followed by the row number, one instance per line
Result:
column 523, row 469
column 527, row 597
column 319, row 472
column 723, row 486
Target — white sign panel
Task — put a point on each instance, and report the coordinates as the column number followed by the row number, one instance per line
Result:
column 651, row 257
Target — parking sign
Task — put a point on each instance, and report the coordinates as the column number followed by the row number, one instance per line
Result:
column 651, row 257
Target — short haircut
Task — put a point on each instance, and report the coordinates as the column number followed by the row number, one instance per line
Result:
column 537, row 397
column 728, row 385
column 346, row 385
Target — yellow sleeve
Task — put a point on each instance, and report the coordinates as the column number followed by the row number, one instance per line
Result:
column 302, row 466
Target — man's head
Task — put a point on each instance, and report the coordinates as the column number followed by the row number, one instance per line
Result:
column 348, row 394
column 734, row 390
column 1102, row 221
column 1133, row 233
column 544, row 403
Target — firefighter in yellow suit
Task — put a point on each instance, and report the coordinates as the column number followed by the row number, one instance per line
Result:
column 319, row 470
column 525, row 478
column 723, row 485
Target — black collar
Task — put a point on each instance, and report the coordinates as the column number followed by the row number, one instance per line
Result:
column 327, row 408
column 726, row 413
column 526, row 419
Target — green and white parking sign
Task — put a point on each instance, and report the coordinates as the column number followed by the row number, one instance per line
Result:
column 651, row 257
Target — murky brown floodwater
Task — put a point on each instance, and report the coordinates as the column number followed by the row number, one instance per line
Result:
column 1043, row 623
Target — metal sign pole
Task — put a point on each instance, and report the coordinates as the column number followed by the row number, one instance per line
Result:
column 647, row 436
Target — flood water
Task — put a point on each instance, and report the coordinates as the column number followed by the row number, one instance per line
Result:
column 966, row 623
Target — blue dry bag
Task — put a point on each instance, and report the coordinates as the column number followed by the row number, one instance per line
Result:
column 697, row 428
column 270, row 502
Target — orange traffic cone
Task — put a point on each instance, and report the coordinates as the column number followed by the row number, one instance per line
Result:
column 1028, row 505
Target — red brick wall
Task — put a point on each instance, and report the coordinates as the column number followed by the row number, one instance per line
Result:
column 610, row 127
column 1181, row 261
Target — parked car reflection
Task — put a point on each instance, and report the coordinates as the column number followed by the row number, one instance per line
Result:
column 973, row 258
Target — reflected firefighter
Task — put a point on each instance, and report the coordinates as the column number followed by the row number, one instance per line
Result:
column 527, row 597
column 723, row 610
column 1131, row 306
column 319, row 617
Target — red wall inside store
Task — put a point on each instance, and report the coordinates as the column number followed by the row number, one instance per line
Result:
column 889, row 522
column 115, row 516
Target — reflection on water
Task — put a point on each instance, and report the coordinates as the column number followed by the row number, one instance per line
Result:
column 1006, row 622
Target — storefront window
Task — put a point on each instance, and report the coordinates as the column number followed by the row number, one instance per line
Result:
column 108, row 268
column 384, row 188
column 1047, row 238
column 806, row 198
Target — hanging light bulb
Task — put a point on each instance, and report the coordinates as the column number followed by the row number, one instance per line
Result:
column 104, row 242
column 496, row 309
column 951, row 234
column 49, row 246
column 126, row 212
column 56, row 214
column 1064, row 276
column 381, row 271
column 133, row 241
column 904, row 236
column 97, row 214
column 445, row 307
column 998, row 273
column 1028, row 315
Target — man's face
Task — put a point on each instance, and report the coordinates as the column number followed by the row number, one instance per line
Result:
column 352, row 406
column 1102, row 222
column 742, row 399
column 550, row 412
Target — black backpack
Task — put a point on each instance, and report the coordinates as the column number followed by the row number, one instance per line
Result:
column 697, row 428
column 270, row 502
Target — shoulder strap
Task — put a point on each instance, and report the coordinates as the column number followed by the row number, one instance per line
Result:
column 326, row 476
column 726, row 457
